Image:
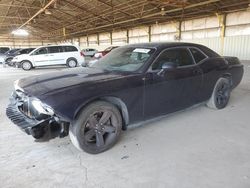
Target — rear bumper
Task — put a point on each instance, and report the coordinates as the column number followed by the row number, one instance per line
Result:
column 45, row 129
column 237, row 72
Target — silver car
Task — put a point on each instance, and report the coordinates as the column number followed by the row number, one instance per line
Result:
column 89, row 52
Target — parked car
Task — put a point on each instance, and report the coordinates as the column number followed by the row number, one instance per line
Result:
column 3, row 50
column 10, row 53
column 89, row 52
column 131, row 84
column 9, row 57
column 100, row 54
column 50, row 55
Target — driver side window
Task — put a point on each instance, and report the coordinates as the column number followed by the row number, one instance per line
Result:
column 41, row 51
column 178, row 56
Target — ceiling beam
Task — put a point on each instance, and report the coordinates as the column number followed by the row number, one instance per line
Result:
column 88, row 11
column 146, row 16
column 19, row 6
column 37, row 13
column 111, row 6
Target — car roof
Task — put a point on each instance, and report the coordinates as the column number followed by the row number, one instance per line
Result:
column 56, row 45
column 163, row 44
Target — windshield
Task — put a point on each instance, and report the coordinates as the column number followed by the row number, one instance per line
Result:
column 125, row 59
column 11, row 51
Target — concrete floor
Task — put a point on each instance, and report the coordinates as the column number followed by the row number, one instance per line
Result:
column 196, row 148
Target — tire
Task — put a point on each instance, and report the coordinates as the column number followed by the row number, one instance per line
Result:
column 8, row 61
column 97, row 128
column 71, row 62
column 220, row 95
column 26, row 65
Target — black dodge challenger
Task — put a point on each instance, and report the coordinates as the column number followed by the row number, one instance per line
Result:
column 132, row 83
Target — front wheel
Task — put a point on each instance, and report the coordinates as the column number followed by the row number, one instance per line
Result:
column 26, row 65
column 97, row 128
column 220, row 95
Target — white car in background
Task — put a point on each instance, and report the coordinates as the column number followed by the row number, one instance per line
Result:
column 68, row 55
column 89, row 52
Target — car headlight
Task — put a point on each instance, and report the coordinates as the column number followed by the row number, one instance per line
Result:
column 41, row 107
column 17, row 87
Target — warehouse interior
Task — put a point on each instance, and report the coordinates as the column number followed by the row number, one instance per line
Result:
column 198, row 147
column 223, row 26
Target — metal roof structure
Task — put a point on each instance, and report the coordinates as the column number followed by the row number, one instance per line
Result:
column 60, row 19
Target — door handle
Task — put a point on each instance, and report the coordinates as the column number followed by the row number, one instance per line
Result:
column 197, row 71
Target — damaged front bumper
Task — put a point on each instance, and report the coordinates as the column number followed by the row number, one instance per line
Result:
column 42, row 129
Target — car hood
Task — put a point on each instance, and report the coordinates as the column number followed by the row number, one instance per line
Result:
column 22, row 56
column 52, row 82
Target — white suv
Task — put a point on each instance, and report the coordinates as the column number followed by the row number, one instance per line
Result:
column 50, row 55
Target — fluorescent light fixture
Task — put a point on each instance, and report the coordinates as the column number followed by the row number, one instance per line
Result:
column 20, row 32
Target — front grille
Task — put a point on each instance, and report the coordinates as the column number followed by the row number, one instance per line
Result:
column 19, row 118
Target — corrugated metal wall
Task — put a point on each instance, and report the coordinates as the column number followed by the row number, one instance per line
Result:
column 204, row 31
column 17, row 43
column 237, row 46
column 213, row 43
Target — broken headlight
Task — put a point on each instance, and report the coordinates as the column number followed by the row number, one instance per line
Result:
column 41, row 107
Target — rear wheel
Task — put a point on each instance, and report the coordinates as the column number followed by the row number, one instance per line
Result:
column 97, row 128
column 71, row 62
column 221, row 94
column 26, row 65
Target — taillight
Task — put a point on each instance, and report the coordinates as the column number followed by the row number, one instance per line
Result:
column 82, row 54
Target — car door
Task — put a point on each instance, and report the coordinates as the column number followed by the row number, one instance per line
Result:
column 55, row 55
column 40, row 57
column 171, row 90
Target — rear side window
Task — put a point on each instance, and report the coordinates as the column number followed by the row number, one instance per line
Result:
column 197, row 54
column 70, row 49
column 55, row 49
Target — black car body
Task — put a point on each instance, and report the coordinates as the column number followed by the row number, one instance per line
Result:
column 16, row 52
column 148, row 92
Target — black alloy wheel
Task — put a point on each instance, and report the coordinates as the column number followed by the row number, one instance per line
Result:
column 221, row 94
column 97, row 128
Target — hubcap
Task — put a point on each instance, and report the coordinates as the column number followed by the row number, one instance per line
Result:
column 99, row 129
column 26, row 66
column 72, row 63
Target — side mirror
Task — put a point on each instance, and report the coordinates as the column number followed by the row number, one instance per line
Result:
column 166, row 66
